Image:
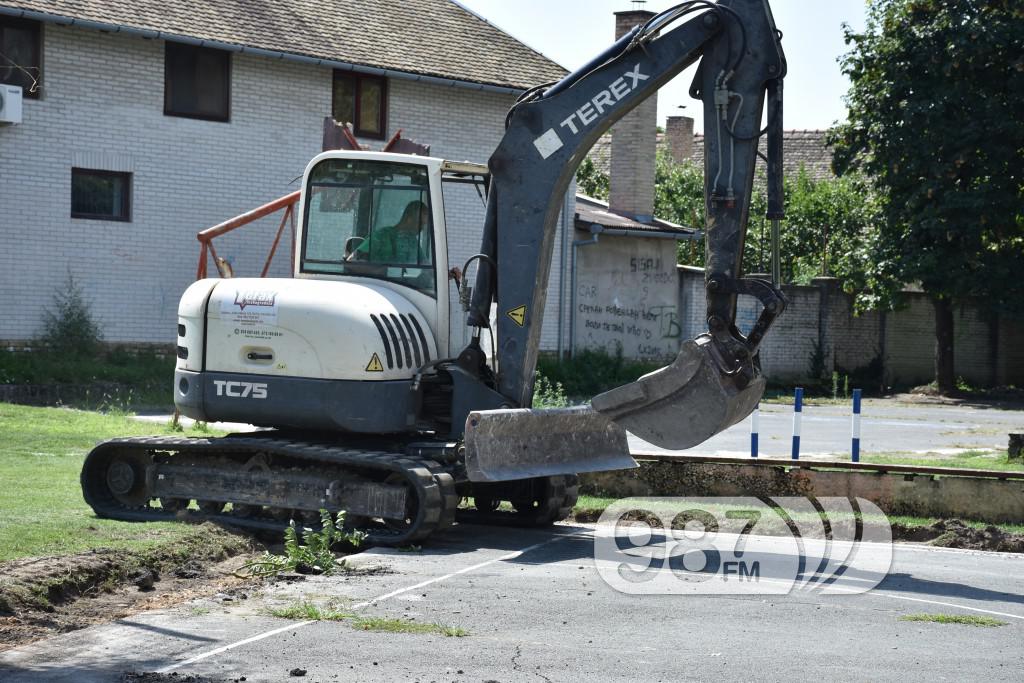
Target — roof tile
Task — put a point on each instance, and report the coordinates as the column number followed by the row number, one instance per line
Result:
column 426, row 37
column 800, row 149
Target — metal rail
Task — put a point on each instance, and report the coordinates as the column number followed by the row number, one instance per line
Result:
column 876, row 468
column 205, row 237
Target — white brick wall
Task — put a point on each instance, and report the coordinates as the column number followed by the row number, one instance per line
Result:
column 103, row 108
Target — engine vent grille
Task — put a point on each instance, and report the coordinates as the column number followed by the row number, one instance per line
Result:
column 405, row 344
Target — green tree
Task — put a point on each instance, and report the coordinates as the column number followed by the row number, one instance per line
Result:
column 828, row 223
column 934, row 120
column 590, row 181
column 679, row 198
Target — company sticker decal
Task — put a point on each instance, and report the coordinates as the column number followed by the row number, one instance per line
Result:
column 250, row 309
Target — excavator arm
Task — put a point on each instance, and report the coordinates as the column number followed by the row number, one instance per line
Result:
column 715, row 381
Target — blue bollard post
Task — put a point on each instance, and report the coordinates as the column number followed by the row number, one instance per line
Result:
column 755, row 420
column 855, row 427
column 798, row 407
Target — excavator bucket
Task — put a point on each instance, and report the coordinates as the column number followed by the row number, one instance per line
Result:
column 676, row 407
column 682, row 404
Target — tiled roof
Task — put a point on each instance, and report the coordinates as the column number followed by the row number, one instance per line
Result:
column 800, row 149
column 591, row 211
column 427, row 37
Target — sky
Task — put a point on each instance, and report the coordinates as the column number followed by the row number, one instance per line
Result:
column 570, row 32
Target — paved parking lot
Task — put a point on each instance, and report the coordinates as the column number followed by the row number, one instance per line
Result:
column 535, row 609
column 887, row 426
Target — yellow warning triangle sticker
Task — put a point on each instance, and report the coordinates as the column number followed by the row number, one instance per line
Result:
column 518, row 315
column 374, row 364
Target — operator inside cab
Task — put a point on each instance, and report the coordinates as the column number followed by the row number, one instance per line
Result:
column 405, row 242
column 369, row 218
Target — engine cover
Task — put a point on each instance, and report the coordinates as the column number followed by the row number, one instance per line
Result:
column 314, row 329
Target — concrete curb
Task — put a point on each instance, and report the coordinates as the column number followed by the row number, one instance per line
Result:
column 898, row 493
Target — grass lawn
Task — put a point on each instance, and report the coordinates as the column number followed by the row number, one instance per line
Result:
column 975, row 460
column 41, row 454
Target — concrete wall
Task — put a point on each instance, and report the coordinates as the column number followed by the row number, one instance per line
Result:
column 990, row 500
column 626, row 297
column 103, row 109
column 986, row 352
column 786, row 353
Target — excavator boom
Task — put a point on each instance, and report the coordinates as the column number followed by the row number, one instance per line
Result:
column 715, row 381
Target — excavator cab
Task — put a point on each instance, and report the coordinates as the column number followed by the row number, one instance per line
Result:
column 367, row 217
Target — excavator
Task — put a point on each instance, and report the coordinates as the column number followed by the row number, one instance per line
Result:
column 369, row 403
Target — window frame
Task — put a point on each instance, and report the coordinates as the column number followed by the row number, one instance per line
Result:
column 169, row 111
column 357, row 82
column 362, row 269
column 19, row 22
column 126, row 201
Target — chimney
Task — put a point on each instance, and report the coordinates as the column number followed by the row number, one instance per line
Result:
column 679, row 133
column 633, row 145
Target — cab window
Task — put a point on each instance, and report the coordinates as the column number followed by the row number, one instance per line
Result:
column 370, row 219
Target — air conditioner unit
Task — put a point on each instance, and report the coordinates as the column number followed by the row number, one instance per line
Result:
column 10, row 103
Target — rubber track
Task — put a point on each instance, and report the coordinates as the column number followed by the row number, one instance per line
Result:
column 434, row 486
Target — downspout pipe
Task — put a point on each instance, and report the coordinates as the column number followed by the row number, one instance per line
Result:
column 568, row 217
column 245, row 49
column 595, row 231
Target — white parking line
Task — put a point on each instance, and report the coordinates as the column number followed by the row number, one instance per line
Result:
column 267, row 634
column 944, row 604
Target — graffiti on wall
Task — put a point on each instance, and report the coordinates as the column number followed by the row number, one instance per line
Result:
column 627, row 297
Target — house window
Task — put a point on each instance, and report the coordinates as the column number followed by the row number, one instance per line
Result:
column 197, row 82
column 362, row 101
column 101, row 195
column 21, row 55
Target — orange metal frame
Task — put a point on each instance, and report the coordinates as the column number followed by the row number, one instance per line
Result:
column 205, row 237
column 287, row 203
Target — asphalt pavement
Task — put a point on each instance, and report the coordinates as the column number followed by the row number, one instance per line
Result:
column 887, row 426
column 535, row 609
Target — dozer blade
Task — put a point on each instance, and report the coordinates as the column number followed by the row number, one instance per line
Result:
column 683, row 404
column 503, row 445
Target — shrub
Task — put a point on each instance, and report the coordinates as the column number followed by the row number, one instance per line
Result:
column 590, row 372
column 313, row 554
column 70, row 328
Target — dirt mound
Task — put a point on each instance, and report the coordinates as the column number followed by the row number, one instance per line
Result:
column 953, row 533
column 45, row 595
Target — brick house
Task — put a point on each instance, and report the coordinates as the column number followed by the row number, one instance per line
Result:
column 154, row 119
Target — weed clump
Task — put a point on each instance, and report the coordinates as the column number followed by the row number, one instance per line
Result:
column 314, row 554
column 590, row 372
